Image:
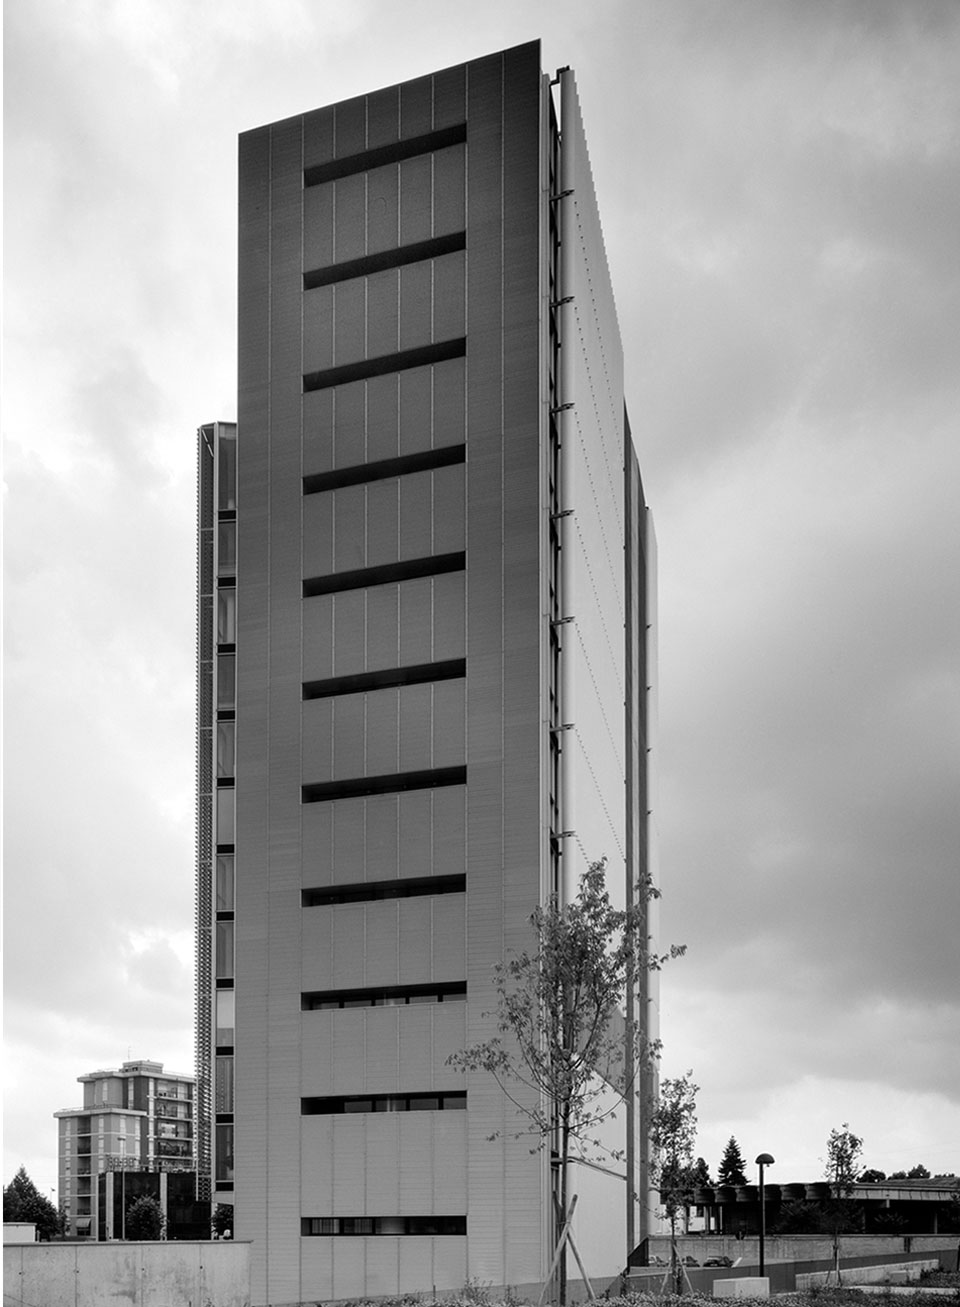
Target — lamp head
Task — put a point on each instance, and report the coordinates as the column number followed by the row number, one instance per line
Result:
column 765, row 1160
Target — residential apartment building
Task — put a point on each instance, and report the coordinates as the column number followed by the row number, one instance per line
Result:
column 138, row 1118
column 424, row 678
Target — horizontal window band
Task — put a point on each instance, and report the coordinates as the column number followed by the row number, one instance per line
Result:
column 375, row 891
column 448, row 991
column 398, row 257
column 384, row 469
column 423, row 673
column 331, row 171
column 382, row 1225
column 420, row 357
column 397, row 783
column 362, row 577
column 445, row 1102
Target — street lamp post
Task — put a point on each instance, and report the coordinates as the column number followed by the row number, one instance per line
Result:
column 763, row 1160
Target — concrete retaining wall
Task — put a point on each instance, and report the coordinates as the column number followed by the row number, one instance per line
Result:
column 798, row 1247
column 175, row 1274
column 892, row 1272
column 786, row 1276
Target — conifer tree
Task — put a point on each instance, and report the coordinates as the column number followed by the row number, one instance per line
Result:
column 731, row 1165
column 23, row 1201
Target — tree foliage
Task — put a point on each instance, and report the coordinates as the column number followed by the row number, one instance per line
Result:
column 732, row 1165
column 144, row 1219
column 872, row 1176
column 844, row 1150
column 673, row 1133
column 222, row 1219
column 563, row 1042
column 839, row 1214
column 701, row 1174
column 560, row 1017
column 796, row 1216
column 23, row 1201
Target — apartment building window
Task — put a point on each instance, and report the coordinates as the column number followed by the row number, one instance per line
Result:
column 226, row 681
column 225, row 865
column 226, row 816
column 226, row 1010
column 226, row 750
column 224, row 950
column 227, row 547
column 226, row 471
column 224, row 1083
column 224, row 1153
column 226, row 615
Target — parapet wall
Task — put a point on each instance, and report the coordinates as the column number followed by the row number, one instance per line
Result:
column 174, row 1274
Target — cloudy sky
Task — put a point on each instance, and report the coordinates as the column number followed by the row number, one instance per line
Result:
column 780, row 187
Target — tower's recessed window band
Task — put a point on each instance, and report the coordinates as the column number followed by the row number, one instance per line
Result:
column 395, row 152
column 420, row 357
column 361, row 786
column 352, row 1225
column 372, row 891
column 422, row 674
column 363, row 577
column 449, row 991
column 398, row 257
column 384, row 469
column 448, row 1102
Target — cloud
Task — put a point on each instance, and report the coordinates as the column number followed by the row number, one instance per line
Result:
column 780, row 190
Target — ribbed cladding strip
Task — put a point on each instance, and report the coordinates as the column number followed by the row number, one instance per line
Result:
column 420, row 674
column 398, row 257
column 360, row 473
column 395, row 783
column 378, row 367
column 361, row 577
column 319, row 173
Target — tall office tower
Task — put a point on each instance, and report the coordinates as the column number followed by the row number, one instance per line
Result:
column 424, row 672
column 140, row 1118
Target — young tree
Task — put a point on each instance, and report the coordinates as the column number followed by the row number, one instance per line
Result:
column 844, row 1150
column 731, row 1165
column 563, row 1043
column 701, row 1174
column 144, row 1219
column 23, row 1201
column 222, row 1220
column 673, row 1132
column 795, row 1216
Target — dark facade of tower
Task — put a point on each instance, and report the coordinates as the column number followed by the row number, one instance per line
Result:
column 428, row 688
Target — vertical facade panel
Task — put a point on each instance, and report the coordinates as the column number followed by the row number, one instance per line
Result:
column 282, row 1046
column 416, row 409
column 383, row 208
